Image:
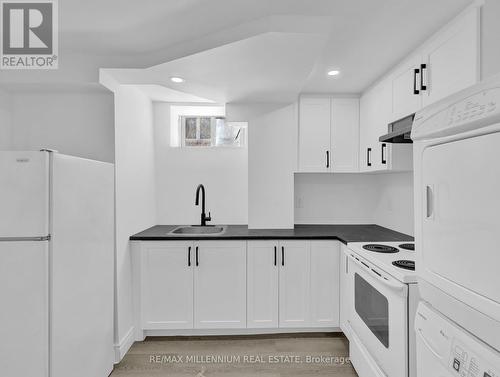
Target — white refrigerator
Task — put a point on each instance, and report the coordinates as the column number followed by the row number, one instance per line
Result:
column 56, row 265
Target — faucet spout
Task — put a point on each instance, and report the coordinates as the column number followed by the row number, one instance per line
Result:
column 204, row 217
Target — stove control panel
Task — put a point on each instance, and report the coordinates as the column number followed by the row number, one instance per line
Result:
column 476, row 107
column 480, row 108
column 464, row 362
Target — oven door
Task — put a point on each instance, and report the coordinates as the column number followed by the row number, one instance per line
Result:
column 379, row 316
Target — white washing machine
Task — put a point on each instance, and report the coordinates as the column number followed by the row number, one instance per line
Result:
column 457, row 208
column 446, row 350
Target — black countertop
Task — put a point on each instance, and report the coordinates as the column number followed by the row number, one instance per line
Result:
column 344, row 233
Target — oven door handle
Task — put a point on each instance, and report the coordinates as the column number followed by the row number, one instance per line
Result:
column 397, row 287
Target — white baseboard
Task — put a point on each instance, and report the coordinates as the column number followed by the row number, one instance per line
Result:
column 125, row 343
column 201, row 332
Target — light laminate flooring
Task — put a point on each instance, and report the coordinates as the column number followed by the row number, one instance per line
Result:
column 240, row 356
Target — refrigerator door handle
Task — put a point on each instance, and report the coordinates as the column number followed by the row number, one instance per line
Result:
column 22, row 239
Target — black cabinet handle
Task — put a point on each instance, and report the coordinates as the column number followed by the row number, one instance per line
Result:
column 423, row 81
column 384, row 147
column 368, row 156
column 327, row 159
column 197, row 264
column 275, row 255
column 282, row 255
column 189, row 256
column 416, row 71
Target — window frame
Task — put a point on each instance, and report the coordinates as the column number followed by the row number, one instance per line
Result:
column 213, row 132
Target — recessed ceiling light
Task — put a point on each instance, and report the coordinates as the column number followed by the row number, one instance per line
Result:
column 177, row 79
column 333, row 72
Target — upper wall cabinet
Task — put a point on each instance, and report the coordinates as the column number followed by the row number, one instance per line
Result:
column 446, row 63
column 328, row 134
column 314, row 134
column 405, row 96
column 450, row 61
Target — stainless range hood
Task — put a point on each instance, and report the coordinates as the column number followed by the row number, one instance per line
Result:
column 399, row 131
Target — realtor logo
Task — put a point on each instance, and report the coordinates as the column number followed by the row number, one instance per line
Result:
column 29, row 34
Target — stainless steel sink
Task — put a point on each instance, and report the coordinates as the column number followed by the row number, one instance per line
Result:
column 197, row 230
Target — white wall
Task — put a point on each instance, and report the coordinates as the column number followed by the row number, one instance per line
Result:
column 335, row 198
column 394, row 208
column 5, row 120
column 135, row 194
column 490, row 37
column 383, row 199
column 272, row 159
column 79, row 123
column 223, row 172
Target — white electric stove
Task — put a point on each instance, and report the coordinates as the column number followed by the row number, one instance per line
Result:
column 382, row 306
column 395, row 258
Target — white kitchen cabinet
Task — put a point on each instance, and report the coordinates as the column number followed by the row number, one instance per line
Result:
column 445, row 64
column 314, row 134
column 374, row 117
column 167, row 285
column 220, row 284
column 324, row 296
column 328, row 134
column 451, row 58
column 345, row 135
column 209, row 285
column 294, row 284
column 262, row 284
column 344, row 289
column 405, row 84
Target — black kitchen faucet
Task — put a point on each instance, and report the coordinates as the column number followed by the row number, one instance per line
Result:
column 204, row 218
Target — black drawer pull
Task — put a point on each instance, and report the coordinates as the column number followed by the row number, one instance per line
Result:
column 423, row 80
column 197, row 262
column 415, row 89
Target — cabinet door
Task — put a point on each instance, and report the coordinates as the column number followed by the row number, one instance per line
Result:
column 375, row 112
column 220, row 284
column 452, row 58
column 262, row 284
column 294, row 284
column 167, row 285
column 382, row 97
column 314, row 134
column 324, row 298
column 345, row 135
column 405, row 100
column 366, row 116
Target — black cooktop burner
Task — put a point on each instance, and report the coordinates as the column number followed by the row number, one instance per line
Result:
column 380, row 248
column 407, row 246
column 406, row 264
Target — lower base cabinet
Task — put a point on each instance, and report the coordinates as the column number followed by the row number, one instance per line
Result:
column 220, row 285
column 293, row 284
column 325, row 285
column 206, row 285
column 186, row 285
column 262, row 284
column 167, row 285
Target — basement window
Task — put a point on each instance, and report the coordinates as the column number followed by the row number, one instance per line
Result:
column 211, row 131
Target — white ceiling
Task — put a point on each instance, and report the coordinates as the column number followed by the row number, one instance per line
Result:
column 229, row 48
